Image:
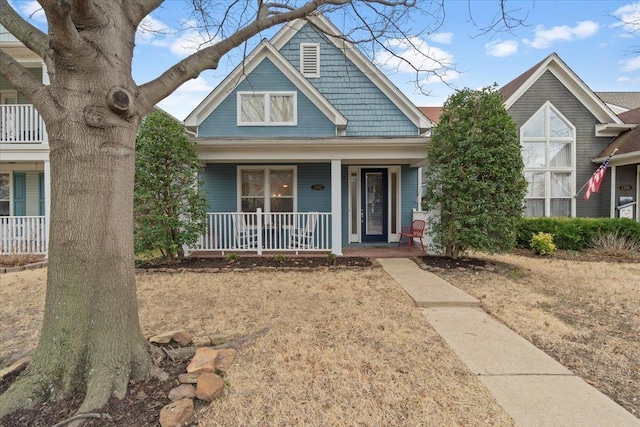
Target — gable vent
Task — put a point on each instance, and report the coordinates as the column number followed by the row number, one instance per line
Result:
column 310, row 59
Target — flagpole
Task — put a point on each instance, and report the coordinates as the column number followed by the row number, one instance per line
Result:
column 585, row 184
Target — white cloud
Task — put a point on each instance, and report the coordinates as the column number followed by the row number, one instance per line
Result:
column 545, row 38
column 31, row 9
column 627, row 81
column 499, row 48
column 186, row 98
column 195, row 85
column 629, row 17
column 414, row 55
column 442, row 38
column 631, row 64
column 191, row 42
column 150, row 28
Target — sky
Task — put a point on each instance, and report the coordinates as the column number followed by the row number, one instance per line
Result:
column 592, row 37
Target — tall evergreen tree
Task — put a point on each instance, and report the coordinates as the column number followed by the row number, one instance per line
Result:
column 474, row 174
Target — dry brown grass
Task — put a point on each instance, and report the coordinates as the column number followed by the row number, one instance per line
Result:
column 585, row 314
column 344, row 347
column 15, row 260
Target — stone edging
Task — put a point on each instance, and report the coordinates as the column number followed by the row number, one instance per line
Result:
column 33, row 266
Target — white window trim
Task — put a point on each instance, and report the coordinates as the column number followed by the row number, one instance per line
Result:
column 548, row 170
column 267, row 190
column 302, row 70
column 10, row 173
column 10, row 93
column 267, row 106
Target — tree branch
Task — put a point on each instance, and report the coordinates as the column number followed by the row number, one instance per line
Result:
column 63, row 33
column 28, row 85
column 189, row 68
column 137, row 9
column 84, row 14
column 29, row 35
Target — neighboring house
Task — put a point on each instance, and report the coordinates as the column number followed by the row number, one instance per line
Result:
column 24, row 160
column 566, row 131
column 619, row 102
column 306, row 137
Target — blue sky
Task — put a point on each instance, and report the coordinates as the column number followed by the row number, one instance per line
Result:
column 588, row 35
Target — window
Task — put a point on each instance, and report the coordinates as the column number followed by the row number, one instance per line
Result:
column 310, row 60
column 5, row 195
column 267, row 109
column 268, row 188
column 548, row 141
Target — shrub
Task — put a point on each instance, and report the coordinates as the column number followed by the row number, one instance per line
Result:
column 280, row 258
column 331, row 258
column 613, row 244
column 15, row 260
column 233, row 257
column 542, row 244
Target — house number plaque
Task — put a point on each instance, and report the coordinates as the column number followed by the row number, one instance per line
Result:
column 317, row 187
column 625, row 187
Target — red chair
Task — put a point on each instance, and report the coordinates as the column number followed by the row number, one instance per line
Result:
column 415, row 231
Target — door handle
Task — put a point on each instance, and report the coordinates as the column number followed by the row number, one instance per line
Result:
column 361, row 213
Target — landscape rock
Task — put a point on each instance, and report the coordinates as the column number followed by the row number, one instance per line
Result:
column 177, row 413
column 188, row 378
column 182, row 338
column 164, row 338
column 201, row 341
column 225, row 358
column 182, row 391
column 210, row 386
column 218, row 339
column 203, row 361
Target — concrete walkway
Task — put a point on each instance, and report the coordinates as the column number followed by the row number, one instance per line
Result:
column 532, row 387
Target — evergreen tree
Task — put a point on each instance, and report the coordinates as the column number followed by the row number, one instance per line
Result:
column 474, row 174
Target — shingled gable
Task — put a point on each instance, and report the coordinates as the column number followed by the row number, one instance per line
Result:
column 264, row 50
column 610, row 125
column 353, row 53
column 628, row 143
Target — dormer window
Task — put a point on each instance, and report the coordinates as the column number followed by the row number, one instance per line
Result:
column 310, row 60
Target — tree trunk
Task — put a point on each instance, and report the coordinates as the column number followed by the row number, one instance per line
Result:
column 91, row 339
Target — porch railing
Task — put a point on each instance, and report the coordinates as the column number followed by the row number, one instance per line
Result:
column 260, row 231
column 23, row 235
column 21, row 123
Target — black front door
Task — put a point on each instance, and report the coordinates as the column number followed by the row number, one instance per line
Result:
column 374, row 215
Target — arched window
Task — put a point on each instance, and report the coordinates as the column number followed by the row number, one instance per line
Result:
column 548, row 150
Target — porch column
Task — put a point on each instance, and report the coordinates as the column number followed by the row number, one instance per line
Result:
column 336, row 207
column 47, row 202
column 613, row 191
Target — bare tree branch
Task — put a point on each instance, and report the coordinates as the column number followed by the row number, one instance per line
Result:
column 63, row 33
column 27, row 84
column 138, row 9
column 29, row 35
column 84, row 14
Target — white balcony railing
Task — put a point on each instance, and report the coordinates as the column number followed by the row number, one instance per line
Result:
column 21, row 123
column 259, row 231
column 23, row 235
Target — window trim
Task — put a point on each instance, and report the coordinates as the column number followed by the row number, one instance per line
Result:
column 267, row 184
column 10, row 200
column 548, row 170
column 305, row 73
column 267, row 106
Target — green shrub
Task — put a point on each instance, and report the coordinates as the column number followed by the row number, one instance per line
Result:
column 331, row 258
column 233, row 257
column 542, row 243
column 280, row 258
column 574, row 233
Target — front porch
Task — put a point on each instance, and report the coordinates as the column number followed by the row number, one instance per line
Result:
column 23, row 235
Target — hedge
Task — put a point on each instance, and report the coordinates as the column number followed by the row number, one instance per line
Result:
column 574, row 233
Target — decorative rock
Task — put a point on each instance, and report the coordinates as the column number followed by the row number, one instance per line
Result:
column 181, row 392
column 203, row 361
column 218, row 339
column 210, row 386
column 177, row 414
column 188, row 378
column 164, row 338
column 225, row 358
column 201, row 341
column 182, row 338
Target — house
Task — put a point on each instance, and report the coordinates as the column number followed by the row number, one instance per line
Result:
column 566, row 131
column 306, row 137
column 24, row 160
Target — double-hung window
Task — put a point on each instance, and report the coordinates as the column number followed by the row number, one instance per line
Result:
column 5, row 195
column 548, row 149
column 270, row 188
column 267, row 109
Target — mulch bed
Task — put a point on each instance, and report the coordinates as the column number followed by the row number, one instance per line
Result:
column 257, row 261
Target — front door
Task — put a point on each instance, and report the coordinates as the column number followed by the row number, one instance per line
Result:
column 374, row 208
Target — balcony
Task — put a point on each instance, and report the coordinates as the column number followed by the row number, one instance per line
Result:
column 21, row 124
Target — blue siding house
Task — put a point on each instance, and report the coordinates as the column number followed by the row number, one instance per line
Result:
column 307, row 146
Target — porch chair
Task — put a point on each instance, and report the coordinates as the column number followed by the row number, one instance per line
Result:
column 302, row 232
column 246, row 236
column 415, row 231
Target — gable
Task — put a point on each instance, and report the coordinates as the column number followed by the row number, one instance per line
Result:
column 266, row 77
column 371, row 107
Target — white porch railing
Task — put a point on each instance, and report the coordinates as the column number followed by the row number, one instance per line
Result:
column 259, row 232
column 21, row 123
column 23, row 235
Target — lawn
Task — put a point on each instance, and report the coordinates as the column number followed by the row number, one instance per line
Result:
column 584, row 314
column 345, row 347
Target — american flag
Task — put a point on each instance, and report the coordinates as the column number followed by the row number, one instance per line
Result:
column 593, row 185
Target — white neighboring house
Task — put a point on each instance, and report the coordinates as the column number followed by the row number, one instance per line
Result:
column 24, row 160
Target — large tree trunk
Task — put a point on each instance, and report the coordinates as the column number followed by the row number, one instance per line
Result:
column 91, row 339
